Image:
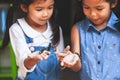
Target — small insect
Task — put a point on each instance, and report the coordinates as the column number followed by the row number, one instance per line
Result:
column 41, row 51
column 47, row 49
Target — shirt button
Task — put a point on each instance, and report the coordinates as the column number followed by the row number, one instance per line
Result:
column 98, row 62
column 32, row 48
column 99, row 47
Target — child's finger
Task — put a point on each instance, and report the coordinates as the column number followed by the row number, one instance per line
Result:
column 46, row 52
column 60, row 54
column 44, row 56
column 67, row 48
column 31, row 56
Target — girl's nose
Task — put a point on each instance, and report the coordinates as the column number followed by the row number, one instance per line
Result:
column 45, row 14
column 92, row 13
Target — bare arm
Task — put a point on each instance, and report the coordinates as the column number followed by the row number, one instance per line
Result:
column 75, row 40
column 70, row 59
column 75, row 43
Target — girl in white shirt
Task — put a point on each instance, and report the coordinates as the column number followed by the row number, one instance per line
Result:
column 33, row 33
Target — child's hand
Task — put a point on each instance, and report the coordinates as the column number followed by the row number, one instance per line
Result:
column 67, row 48
column 61, row 55
column 33, row 58
column 44, row 55
column 37, row 56
column 70, row 60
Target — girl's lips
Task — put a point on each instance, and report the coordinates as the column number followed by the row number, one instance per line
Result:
column 43, row 20
column 94, row 20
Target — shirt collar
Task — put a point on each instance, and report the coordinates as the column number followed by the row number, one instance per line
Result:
column 47, row 34
column 29, row 31
column 88, row 24
column 111, row 23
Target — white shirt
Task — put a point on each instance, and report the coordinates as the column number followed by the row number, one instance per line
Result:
column 21, row 48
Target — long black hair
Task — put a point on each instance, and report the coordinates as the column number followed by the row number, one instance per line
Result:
column 53, row 22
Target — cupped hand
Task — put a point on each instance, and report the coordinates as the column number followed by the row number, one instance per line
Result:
column 43, row 55
column 61, row 55
column 70, row 60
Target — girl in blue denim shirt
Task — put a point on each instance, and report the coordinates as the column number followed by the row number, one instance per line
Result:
column 97, row 39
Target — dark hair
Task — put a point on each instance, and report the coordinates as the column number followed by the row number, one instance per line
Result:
column 53, row 22
column 117, row 12
column 111, row 1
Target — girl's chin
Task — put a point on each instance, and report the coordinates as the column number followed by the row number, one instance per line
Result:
column 43, row 22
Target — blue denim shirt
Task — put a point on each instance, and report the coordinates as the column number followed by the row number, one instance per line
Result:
column 100, row 50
